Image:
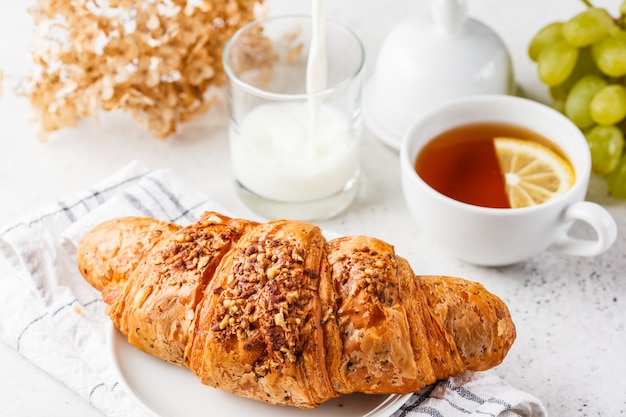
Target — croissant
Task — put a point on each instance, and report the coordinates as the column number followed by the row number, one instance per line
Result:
column 275, row 312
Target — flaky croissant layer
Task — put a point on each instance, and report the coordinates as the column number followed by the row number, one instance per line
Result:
column 275, row 312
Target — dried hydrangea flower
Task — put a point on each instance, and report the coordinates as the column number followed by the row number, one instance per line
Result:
column 156, row 59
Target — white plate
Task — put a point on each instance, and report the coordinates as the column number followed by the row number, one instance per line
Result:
column 166, row 390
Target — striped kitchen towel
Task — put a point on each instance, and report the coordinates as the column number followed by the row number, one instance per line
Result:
column 56, row 320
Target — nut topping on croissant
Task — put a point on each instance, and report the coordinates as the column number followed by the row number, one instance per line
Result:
column 276, row 313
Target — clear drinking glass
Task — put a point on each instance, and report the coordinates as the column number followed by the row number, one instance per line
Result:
column 294, row 150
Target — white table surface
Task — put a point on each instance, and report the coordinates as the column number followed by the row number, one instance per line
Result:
column 570, row 312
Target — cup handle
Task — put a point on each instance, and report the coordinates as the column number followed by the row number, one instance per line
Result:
column 599, row 219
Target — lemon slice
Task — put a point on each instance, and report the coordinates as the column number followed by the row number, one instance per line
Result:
column 533, row 173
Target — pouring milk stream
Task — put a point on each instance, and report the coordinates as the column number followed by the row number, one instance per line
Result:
column 298, row 151
column 316, row 70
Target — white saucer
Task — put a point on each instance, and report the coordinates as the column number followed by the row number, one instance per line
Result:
column 389, row 138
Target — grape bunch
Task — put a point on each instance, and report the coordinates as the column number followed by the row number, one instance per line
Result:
column 583, row 61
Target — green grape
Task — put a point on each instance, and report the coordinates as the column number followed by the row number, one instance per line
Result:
column 585, row 65
column 609, row 54
column 608, row 106
column 606, row 144
column 559, row 95
column 556, row 62
column 616, row 180
column 546, row 35
column 587, row 27
column 577, row 104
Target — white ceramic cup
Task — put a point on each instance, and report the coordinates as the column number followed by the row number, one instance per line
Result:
column 502, row 236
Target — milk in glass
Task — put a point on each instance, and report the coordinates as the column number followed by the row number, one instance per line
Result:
column 298, row 151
